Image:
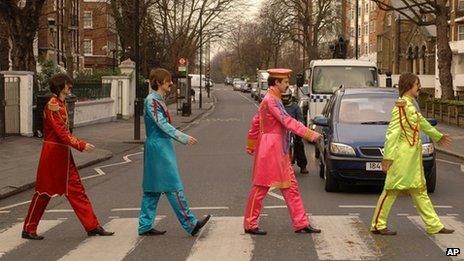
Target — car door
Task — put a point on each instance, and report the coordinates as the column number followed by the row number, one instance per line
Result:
column 327, row 132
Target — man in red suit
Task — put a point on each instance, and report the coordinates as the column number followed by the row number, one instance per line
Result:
column 57, row 173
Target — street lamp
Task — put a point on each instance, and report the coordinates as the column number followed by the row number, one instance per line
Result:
column 200, row 97
column 357, row 31
column 137, row 104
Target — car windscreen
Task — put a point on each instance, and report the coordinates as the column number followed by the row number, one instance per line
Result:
column 264, row 86
column 372, row 109
column 327, row 79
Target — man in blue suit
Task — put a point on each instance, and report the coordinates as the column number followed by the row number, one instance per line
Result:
column 160, row 174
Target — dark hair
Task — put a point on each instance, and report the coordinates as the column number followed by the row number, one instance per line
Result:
column 406, row 82
column 271, row 81
column 58, row 81
column 158, row 76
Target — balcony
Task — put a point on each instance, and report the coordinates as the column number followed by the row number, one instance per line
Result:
column 457, row 47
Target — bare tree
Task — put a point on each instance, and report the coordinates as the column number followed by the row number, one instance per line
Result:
column 4, row 45
column 22, row 19
column 424, row 13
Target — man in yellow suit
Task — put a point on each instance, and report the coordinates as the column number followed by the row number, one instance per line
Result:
column 402, row 160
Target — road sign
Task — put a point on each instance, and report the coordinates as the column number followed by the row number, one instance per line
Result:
column 182, row 61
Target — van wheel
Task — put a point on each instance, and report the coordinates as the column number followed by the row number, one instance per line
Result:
column 432, row 180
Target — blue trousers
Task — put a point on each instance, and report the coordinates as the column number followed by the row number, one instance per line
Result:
column 178, row 203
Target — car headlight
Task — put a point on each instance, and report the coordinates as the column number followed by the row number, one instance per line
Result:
column 341, row 149
column 428, row 149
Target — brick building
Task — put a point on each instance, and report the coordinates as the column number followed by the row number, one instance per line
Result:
column 51, row 32
column 100, row 39
column 457, row 45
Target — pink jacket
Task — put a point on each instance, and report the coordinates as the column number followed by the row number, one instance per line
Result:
column 269, row 141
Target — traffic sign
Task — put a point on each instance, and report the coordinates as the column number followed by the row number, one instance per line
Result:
column 182, row 61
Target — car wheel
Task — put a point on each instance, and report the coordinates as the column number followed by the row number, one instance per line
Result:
column 331, row 184
column 432, row 180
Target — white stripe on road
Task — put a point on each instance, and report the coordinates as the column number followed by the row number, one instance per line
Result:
column 192, row 208
column 273, row 207
column 4, row 211
column 270, row 193
column 356, row 206
column 59, row 210
column 11, row 237
column 343, row 238
column 114, row 247
column 444, row 241
column 223, row 239
column 246, row 98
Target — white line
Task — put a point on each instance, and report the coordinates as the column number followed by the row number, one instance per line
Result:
column 62, row 218
column 453, row 215
column 59, row 211
column 402, row 214
column 246, row 98
column 125, row 209
column 273, row 207
column 11, row 238
column 343, row 238
column 455, row 240
column 192, row 208
column 114, row 247
column 113, row 217
column 356, row 206
column 15, row 205
column 4, row 211
column 100, row 172
column 439, row 206
column 353, row 214
column 223, row 239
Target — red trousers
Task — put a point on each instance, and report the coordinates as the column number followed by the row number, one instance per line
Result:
column 292, row 199
column 76, row 197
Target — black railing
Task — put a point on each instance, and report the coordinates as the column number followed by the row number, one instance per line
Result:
column 91, row 90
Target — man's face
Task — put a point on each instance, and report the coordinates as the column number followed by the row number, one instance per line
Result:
column 282, row 85
column 415, row 91
column 67, row 89
column 166, row 86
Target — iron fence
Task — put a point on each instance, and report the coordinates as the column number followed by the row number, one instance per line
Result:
column 91, row 90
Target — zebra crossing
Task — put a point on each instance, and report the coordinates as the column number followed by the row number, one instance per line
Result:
column 344, row 237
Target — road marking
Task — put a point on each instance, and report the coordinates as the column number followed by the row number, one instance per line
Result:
column 455, row 240
column 192, row 208
column 114, row 247
column 270, row 193
column 343, row 238
column 11, row 237
column 356, row 206
column 59, row 211
column 15, row 205
column 246, row 98
column 353, row 214
column 100, row 172
column 4, row 211
column 449, row 162
column 453, row 215
column 223, row 239
column 274, row 207
column 402, row 214
column 442, row 206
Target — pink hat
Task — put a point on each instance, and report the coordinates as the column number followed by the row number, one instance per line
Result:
column 279, row 73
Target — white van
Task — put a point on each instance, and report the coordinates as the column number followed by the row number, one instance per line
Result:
column 261, row 76
column 195, row 83
column 324, row 77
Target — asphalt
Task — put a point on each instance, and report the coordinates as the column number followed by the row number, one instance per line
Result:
column 19, row 156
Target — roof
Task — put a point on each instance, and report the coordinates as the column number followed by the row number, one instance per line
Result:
column 370, row 91
column 342, row 62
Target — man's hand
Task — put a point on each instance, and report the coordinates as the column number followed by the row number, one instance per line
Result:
column 250, row 151
column 386, row 164
column 192, row 141
column 89, row 147
column 445, row 140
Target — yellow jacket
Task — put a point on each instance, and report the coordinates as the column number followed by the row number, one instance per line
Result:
column 403, row 146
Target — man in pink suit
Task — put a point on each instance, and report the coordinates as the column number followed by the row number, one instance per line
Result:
column 269, row 142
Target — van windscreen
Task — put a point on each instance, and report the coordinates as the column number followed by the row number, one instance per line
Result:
column 327, row 79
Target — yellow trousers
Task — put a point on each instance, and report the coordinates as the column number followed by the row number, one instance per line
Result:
column 423, row 205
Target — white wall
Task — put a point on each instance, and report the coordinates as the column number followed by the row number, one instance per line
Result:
column 94, row 111
column 427, row 80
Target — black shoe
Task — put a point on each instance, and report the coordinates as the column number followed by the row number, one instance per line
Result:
column 384, row 232
column 256, row 231
column 200, row 224
column 308, row 229
column 446, row 231
column 153, row 232
column 99, row 231
column 32, row 236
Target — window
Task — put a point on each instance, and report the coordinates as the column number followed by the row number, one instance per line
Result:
column 359, row 31
column 461, row 32
column 389, row 20
column 366, row 48
column 371, row 26
column 88, row 47
column 88, row 23
column 461, row 4
column 367, row 8
column 379, row 44
column 366, row 30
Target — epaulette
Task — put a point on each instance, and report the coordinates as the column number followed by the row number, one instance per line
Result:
column 400, row 102
column 53, row 105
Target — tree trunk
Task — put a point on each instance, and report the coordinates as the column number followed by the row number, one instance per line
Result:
column 4, row 46
column 444, row 53
column 22, row 36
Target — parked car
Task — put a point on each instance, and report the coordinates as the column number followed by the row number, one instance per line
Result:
column 246, row 87
column 254, row 90
column 353, row 124
column 238, row 85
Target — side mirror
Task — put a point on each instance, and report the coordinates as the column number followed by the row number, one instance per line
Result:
column 432, row 121
column 299, row 80
column 321, row 121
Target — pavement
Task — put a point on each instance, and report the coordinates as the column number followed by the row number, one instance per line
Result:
column 19, row 156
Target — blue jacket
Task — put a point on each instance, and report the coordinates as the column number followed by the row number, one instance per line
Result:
column 294, row 110
column 160, row 172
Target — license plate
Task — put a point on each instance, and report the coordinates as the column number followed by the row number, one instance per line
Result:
column 375, row 166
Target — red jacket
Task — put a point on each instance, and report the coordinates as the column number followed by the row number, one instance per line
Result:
column 56, row 158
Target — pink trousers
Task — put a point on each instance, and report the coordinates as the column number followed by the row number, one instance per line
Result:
column 292, row 200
